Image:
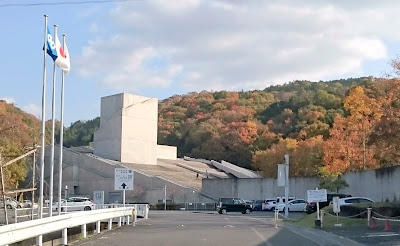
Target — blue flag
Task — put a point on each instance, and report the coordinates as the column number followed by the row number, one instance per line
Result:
column 51, row 46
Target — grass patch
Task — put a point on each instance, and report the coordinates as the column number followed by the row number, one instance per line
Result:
column 329, row 221
column 384, row 208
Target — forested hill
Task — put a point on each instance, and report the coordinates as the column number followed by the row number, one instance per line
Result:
column 240, row 126
column 18, row 132
column 332, row 126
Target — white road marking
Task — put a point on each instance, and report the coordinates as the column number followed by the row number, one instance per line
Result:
column 261, row 236
column 382, row 235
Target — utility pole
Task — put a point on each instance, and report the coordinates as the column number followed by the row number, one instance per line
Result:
column 165, row 197
column 3, row 191
column 286, row 185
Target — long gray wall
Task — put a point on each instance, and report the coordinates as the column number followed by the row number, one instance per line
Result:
column 380, row 185
column 251, row 189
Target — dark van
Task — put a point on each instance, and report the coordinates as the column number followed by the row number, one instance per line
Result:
column 233, row 204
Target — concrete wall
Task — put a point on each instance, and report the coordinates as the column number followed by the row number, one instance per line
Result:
column 107, row 139
column 257, row 188
column 128, row 129
column 139, row 130
column 85, row 173
column 380, row 184
column 166, row 152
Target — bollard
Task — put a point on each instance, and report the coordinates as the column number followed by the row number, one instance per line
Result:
column 146, row 216
column 322, row 218
column 276, row 218
column 369, row 217
column 15, row 214
column 134, row 215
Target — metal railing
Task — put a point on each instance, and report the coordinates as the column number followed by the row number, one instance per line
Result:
column 37, row 228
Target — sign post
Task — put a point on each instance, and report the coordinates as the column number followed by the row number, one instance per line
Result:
column 283, row 180
column 123, row 180
column 336, row 209
column 317, row 196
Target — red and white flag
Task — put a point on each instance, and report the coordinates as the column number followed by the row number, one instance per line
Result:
column 63, row 60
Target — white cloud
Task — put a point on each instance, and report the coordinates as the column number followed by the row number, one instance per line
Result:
column 34, row 109
column 8, row 99
column 199, row 45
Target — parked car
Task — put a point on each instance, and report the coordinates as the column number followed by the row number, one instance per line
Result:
column 233, row 204
column 75, row 204
column 257, row 205
column 269, row 204
column 249, row 202
column 298, row 205
column 281, row 199
column 28, row 204
column 312, row 206
column 11, row 203
column 354, row 200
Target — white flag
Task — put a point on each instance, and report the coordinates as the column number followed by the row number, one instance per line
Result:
column 63, row 60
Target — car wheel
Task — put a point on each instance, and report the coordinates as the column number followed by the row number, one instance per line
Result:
column 19, row 206
column 219, row 212
column 9, row 206
column 273, row 208
column 86, row 209
column 223, row 211
column 247, row 211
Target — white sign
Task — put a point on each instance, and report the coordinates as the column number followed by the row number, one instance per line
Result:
column 123, row 179
column 335, row 204
column 316, row 196
column 98, row 197
column 281, row 174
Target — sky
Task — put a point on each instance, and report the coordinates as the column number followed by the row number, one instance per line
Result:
column 161, row 48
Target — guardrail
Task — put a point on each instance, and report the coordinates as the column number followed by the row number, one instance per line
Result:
column 37, row 228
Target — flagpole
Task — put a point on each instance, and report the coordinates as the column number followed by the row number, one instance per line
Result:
column 43, row 120
column 61, row 137
column 53, row 123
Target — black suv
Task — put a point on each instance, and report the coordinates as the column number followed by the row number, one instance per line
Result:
column 312, row 206
column 234, row 204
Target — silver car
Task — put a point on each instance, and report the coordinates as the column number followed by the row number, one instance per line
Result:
column 75, row 204
column 11, row 203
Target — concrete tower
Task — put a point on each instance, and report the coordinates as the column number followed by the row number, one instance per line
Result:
column 128, row 129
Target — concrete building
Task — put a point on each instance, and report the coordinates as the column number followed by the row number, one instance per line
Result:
column 128, row 129
column 127, row 138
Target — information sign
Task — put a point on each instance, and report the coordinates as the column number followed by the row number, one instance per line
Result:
column 123, row 179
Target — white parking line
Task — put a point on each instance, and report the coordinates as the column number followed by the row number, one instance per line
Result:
column 389, row 234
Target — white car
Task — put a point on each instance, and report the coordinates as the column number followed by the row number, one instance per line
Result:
column 354, row 200
column 298, row 205
column 75, row 204
column 269, row 205
column 11, row 203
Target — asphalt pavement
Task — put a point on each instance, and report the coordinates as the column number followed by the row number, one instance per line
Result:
column 210, row 228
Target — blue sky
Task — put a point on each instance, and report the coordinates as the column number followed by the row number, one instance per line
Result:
column 159, row 48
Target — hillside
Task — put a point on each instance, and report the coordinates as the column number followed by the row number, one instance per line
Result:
column 326, row 127
column 18, row 130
